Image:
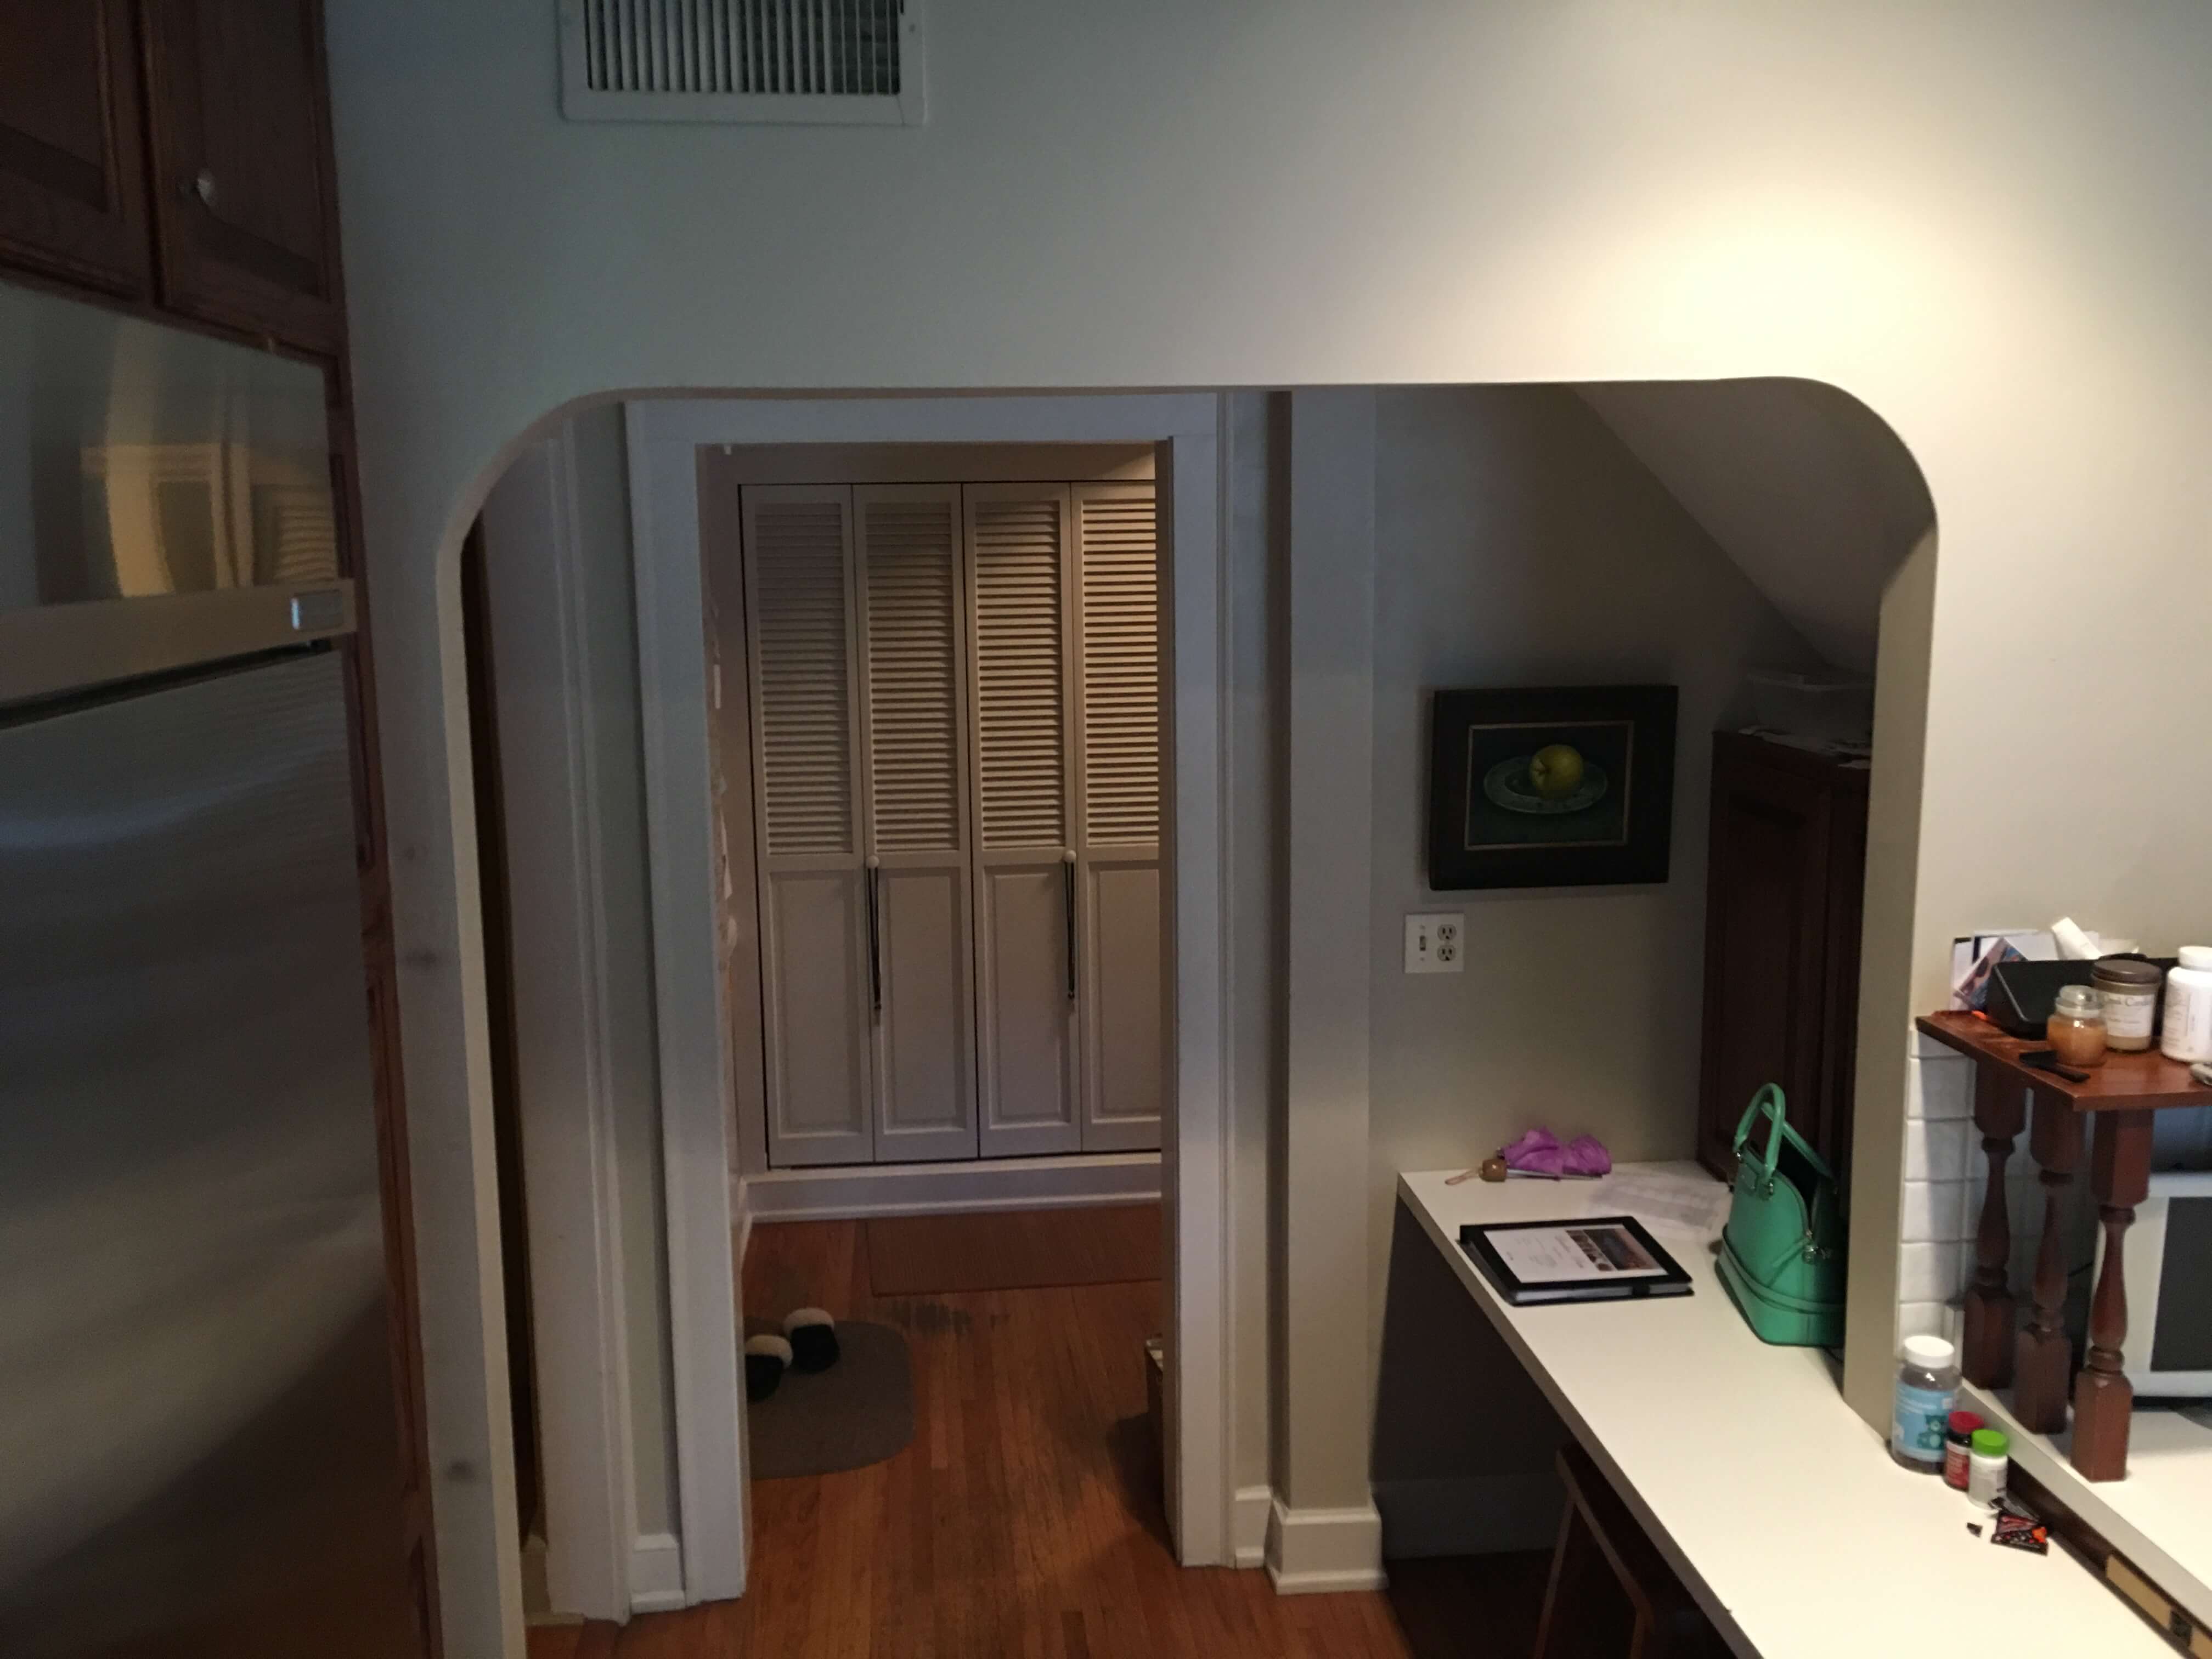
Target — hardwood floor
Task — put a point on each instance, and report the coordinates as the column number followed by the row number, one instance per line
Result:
column 1026, row 1518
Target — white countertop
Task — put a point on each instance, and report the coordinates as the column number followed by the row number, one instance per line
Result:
column 1780, row 1509
column 2156, row 1516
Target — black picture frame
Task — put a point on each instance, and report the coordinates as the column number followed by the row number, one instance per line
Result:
column 1491, row 824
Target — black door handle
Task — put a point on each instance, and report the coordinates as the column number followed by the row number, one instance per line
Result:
column 1067, row 905
column 875, row 941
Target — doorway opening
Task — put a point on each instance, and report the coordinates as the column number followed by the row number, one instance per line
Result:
column 903, row 950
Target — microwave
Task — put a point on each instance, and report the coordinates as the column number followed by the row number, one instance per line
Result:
column 2166, row 1264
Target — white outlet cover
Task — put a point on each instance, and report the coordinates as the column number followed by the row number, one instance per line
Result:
column 1435, row 942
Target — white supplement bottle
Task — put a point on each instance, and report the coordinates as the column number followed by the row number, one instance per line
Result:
column 2186, row 1034
column 1987, row 1465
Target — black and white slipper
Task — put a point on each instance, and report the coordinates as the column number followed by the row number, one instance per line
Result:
column 813, row 1336
column 766, row 1358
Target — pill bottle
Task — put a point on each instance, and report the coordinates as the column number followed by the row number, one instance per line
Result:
column 1986, row 1464
column 2187, row 1034
column 1926, row 1388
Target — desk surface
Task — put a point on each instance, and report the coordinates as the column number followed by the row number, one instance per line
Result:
column 1779, row 1507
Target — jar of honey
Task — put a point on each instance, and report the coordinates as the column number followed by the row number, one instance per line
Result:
column 2076, row 1027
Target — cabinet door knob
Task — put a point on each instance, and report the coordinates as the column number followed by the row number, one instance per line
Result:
column 202, row 186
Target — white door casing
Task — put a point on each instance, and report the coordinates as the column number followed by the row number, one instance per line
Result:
column 666, row 439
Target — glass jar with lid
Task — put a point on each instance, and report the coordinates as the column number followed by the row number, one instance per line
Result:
column 2076, row 1027
column 2127, row 989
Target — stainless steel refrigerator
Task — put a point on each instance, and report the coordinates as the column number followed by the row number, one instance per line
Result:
column 199, row 1449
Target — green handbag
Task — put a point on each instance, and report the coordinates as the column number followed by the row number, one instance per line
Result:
column 1781, row 1252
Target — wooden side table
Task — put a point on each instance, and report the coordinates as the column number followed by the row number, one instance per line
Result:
column 2118, row 1100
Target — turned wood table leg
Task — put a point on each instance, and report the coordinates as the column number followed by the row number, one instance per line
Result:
column 2043, row 1355
column 2119, row 1179
column 1999, row 1111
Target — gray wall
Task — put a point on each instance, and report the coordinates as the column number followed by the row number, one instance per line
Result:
column 1518, row 543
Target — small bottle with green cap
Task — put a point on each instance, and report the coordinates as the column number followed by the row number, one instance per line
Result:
column 1987, row 1461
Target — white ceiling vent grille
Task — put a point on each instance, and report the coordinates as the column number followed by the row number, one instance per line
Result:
column 854, row 61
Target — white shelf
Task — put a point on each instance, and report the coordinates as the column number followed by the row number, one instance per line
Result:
column 1780, row 1508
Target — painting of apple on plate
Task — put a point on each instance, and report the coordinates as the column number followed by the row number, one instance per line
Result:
column 1571, row 771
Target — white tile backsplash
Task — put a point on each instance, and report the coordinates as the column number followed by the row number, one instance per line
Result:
column 1941, row 1088
column 1936, row 1212
column 1929, row 1319
column 1935, row 1148
column 1932, row 1272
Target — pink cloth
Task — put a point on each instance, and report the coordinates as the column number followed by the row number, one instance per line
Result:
column 1539, row 1152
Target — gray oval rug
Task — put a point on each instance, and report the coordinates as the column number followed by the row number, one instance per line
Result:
column 859, row 1411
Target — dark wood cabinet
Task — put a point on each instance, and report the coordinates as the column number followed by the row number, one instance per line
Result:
column 1785, row 884
column 72, row 155
column 244, row 197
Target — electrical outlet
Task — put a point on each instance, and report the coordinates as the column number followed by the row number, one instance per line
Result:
column 1436, row 943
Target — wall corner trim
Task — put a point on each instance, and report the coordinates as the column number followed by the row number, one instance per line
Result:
column 656, row 1573
column 1314, row 1551
column 1255, row 1506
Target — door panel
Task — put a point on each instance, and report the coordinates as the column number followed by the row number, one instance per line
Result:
column 72, row 176
column 814, row 894
column 1123, row 1014
column 1117, row 697
column 914, row 743
column 243, row 191
column 1027, row 1019
column 1765, row 938
column 818, row 1008
column 926, row 1043
column 1021, row 649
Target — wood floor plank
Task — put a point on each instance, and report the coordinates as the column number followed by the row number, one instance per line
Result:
column 997, row 1249
column 1024, row 1520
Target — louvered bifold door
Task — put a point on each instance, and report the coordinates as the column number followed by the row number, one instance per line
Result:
column 802, row 640
column 914, row 744
column 1023, row 786
column 1123, row 982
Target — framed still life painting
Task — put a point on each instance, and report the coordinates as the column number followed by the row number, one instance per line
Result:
column 1551, row 786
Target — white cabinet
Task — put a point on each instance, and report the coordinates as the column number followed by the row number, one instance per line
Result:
column 956, row 715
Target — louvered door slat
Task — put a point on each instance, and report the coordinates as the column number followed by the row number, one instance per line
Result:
column 1020, row 698
column 909, row 551
column 804, row 675
column 1117, row 558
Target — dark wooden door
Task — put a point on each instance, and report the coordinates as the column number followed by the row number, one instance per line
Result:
column 1768, row 970
column 244, row 196
column 72, row 168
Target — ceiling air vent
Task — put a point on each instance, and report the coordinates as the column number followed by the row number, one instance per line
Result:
column 853, row 61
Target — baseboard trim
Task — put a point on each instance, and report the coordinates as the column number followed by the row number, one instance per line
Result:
column 1469, row 1515
column 1248, row 1532
column 1315, row 1552
column 1013, row 1183
column 656, row 1573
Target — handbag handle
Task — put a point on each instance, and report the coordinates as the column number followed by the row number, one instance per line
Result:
column 1750, row 1112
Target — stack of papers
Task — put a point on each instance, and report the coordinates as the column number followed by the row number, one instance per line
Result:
column 1678, row 1200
